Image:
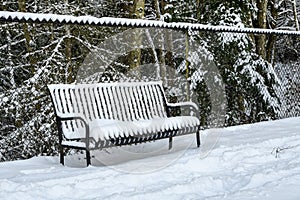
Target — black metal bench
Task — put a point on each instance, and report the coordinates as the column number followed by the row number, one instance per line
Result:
column 102, row 115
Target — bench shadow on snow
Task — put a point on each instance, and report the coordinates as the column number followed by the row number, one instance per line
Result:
column 124, row 155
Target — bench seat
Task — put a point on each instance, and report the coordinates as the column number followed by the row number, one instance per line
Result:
column 103, row 129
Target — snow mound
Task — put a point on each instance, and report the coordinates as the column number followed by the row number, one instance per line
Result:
column 257, row 161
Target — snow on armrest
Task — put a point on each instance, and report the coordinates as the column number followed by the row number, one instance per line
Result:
column 70, row 115
column 180, row 104
column 74, row 144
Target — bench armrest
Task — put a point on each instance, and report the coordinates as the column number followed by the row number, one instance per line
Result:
column 182, row 105
column 72, row 117
column 68, row 116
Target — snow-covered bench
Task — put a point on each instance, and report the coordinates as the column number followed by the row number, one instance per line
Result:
column 97, row 116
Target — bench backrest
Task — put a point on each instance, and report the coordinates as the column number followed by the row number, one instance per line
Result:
column 127, row 101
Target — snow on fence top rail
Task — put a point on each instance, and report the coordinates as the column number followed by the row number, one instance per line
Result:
column 138, row 23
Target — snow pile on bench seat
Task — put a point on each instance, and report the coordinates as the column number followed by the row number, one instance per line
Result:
column 103, row 129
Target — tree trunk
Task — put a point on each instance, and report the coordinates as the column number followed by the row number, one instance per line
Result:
column 200, row 9
column 28, row 41
column 139, row 9
column 261, row 23
column 295, row 15
column 157, row 9
column 187, row 70
column 137, row 12
column 68, row 51
column 10, row 60
column 272, row 38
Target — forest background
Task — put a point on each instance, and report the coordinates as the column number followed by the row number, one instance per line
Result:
column 261, row 71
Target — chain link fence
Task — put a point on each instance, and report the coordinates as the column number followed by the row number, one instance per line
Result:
column 236, row 76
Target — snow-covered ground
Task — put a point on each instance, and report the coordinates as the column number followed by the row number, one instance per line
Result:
column 258, row 161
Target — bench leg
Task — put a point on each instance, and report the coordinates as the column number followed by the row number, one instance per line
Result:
column 61, row 154
column 170, row 142
column 198, row 138
column 88, row 158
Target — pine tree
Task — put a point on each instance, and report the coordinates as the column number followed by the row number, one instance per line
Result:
column 249, row 79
